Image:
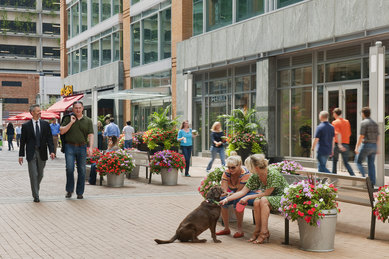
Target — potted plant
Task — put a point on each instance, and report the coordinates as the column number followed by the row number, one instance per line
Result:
column 213, row 178
column 115, row 164
column 381, row 203
column 137, row 141
column 167, row 163
column 288, row 170
column 313, row 205
column 96, row 154
column 158, row 139
column 244, row 137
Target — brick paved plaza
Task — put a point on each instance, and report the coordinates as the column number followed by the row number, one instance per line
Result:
column 123, row 222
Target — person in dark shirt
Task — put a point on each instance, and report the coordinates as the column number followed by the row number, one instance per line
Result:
column 324, row 135
column 217, row 144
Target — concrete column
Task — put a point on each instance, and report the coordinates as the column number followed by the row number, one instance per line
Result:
column 94, row 114
column 377, row 103
column 266, row 100
column 189, row 100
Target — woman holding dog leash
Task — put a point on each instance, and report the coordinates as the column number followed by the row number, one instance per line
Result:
column 273, row 184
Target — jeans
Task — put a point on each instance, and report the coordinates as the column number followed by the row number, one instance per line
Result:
column 10, row 144
column 187, row 152
column 344, row 157
column 128, row 143
column 214, row 151
column 322, row 163
column 234, row 202
column 18, row 136
column 78, row 155
column 368, row 150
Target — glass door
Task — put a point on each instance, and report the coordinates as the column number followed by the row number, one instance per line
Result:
column 349, row 99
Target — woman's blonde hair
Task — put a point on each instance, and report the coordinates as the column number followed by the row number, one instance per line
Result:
column 234, row 160
column 256, row 160
column 213, row 129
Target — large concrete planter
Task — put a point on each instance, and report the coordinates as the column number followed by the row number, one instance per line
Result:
column 134, row 174
column 169, row 178
column 114, row 180
column 293, row 178
column 319, row 239
column 87, row 172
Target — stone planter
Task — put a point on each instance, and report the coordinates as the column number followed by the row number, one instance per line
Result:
column 319, row 239
column 293, row 178
column 231, row 215
column 169, row 178
column 244, row 153
column 114, row 180
column 87, row 172
column 134, row 174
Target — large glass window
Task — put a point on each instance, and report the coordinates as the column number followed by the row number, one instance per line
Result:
column 106, row 47
column 166, row 31
column 51, row 52
column 134, row 1
column 197, row 17
column 95, row 12
column 302, row 76
column 106, row 12
column 249, row 8
column 153, row 80
column 219, row 13
column 283, row 113
column 75, row 61
column 84, row 58
column 283, row 3
column 19, row 51
column 135, row 44
column 75, row 20
column 150, row 39
column 302, row 121
column 344, row 70
column 95, row 54
column 116, row 6
column 84, row 15
column 51, row 28
column 116, row 46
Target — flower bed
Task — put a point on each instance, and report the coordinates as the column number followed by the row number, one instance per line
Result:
column 307, row 199
column 381, row 203
column 213, row 178
column 166, row 159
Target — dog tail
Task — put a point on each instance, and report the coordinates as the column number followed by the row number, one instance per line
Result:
column 166, row 241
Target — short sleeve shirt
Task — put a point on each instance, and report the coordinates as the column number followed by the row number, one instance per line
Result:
column 244, row 176
column 369, row 129
column 342, row 127
column 128, row 131
column 79, row 131
column 274, row 180
column 325, row 133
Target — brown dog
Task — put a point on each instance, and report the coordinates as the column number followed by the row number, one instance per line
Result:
column 203, row 217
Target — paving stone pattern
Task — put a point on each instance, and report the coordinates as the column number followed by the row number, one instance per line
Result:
column 123, row 222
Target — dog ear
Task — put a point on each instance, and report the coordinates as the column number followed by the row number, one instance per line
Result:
column 211, row 193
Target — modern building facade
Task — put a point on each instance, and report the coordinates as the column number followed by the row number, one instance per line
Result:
column 29, row 53
column 287, row 59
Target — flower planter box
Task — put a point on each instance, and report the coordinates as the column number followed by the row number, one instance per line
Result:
column 293, row 178
column 321, row 238
column 244, row 153
column 114, row 180
column 169, row 178
column 87, row 172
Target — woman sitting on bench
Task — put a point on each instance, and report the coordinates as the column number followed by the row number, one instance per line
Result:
column 273, row 184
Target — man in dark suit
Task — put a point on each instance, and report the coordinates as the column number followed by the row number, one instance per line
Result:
column 36, row 137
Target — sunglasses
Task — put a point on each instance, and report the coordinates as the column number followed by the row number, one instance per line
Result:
column 231, row 167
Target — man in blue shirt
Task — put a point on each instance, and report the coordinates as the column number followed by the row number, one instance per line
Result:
column 55, row 131
column 324, row 135
column 112, row 129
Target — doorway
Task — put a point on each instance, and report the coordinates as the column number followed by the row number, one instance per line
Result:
column 349, row 99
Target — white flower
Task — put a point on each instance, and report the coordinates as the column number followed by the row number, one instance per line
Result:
column 321, row 200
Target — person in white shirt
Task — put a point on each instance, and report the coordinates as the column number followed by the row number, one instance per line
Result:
column 128, row 131
column 18, row 131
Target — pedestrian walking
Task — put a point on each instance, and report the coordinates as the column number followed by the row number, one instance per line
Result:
column 217, row 144
column 367, row 144
column 55, row 132
column 128, row 131
column 79, row 131
column 112, row 129
column 324, row 137
column 342, row 140
column 35, row 139
column 18, row 131
column 185, row 137
column 10, row 135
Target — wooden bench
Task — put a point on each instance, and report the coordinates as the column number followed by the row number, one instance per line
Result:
column 351, row 189
column 142, row 158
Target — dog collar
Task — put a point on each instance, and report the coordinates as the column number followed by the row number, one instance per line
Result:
column 212, row 201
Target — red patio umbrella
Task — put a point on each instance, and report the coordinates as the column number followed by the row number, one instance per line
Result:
column 45, row 115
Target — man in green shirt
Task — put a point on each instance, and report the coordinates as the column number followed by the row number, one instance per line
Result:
column 79, row 132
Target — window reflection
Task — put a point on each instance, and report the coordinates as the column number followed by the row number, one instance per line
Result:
column 249, row 8
column 150, row 39
column 283, row 108
column 75, row 21
column 106, row 48
column 219, row 13
column 84, row 15
column 84, row 58
column 166, row 34
column 95, row 12
column 95, row 54
column 135, row 44
column 106, row 9
column 197, row 17
column 344, row 70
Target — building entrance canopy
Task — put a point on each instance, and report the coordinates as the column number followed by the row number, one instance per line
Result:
column 65, row 103
column 137, row 94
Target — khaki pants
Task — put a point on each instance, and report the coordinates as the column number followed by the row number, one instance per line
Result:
column 55, row 141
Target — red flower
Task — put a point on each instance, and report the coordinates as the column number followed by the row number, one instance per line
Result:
column 297, row 196
column 301, row 214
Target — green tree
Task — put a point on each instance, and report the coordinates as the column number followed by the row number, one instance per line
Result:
column 161, row 120
column 242, row 121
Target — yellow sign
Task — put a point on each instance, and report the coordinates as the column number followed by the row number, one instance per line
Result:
column 67, row 90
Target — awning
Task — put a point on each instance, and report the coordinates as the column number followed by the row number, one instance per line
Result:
column 137, row 94
column 45, row 115
column 65, row 103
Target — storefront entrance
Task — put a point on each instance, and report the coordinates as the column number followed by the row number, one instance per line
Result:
column 349, row 99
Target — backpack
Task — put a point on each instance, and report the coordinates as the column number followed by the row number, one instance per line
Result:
column 62, row 136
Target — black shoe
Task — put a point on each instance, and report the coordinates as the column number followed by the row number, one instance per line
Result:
column 68, row 195
column 187, row 175
column 36, row 200
column 79, row 196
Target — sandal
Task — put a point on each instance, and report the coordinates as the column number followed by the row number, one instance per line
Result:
column 238, row 235
column 262, row 237
column 223, row 232
column 254, row 237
